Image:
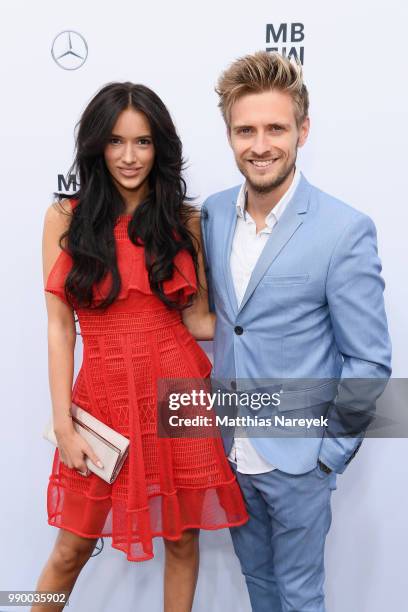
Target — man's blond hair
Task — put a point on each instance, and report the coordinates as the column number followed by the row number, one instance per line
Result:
column 263, row 71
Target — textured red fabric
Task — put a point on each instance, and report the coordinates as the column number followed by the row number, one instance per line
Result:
column 166, row 485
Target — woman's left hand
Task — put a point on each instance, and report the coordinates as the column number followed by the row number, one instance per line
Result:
column 200, row 325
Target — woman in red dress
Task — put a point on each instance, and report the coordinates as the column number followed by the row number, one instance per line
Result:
column 124, row 255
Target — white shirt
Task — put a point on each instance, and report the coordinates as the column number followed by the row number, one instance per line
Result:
column 247, row 247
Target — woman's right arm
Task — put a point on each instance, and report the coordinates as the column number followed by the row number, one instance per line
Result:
column 61, row 346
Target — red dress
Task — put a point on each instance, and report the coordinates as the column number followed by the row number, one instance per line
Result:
column 166, row 485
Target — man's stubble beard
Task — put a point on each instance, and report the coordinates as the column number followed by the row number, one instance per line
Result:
column 276, row 182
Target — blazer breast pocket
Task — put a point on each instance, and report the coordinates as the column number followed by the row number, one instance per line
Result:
column 284, row 280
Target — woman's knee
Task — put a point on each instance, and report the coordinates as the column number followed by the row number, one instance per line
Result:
column 186, row 546
column 71, row 551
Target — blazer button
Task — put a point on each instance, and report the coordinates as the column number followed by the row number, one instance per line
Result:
column 238, row 330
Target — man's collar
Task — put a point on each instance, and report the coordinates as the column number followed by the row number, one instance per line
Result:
column 279, row 207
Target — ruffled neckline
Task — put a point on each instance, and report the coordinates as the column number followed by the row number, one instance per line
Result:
column 132, row 269
column 133, row 272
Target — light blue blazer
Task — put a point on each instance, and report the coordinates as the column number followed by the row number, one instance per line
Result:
column 313, row 309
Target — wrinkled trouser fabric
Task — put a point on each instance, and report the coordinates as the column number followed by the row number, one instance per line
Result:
column 281, row 548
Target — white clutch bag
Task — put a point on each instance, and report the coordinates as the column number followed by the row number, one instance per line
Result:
column 109, row 445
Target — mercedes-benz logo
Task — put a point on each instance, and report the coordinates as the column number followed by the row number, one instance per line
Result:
column 69, row 50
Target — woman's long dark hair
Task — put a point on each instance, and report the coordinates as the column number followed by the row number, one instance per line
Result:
column 159, row 222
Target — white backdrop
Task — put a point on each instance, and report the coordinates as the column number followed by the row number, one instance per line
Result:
column 354, row 56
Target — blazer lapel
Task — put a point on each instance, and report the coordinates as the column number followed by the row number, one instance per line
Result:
column 281, row 234
column 228, row 235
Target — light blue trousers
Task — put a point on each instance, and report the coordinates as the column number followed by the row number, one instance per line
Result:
column 281, row 548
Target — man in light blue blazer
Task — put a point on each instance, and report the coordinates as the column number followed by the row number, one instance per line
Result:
column 295, row 281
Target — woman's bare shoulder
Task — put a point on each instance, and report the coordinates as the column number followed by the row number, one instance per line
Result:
column 57, row 220
column 59, row 212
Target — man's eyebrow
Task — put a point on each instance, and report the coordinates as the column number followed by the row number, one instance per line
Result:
column 274, row 124
column 279, row 124
column 239, row 127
